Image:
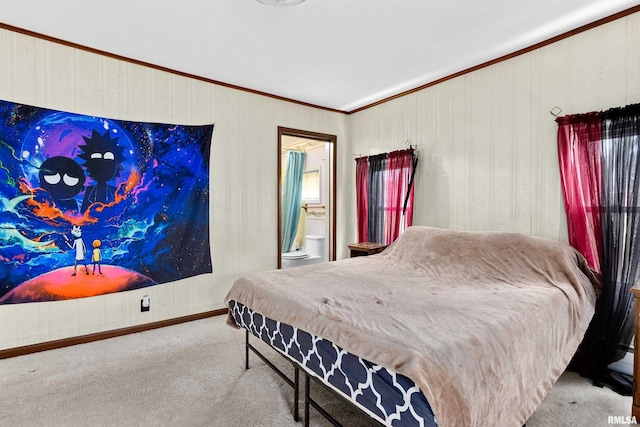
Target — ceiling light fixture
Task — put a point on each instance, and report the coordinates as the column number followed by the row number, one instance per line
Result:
column 281, row 2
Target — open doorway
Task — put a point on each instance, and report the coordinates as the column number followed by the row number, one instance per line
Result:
column 314, row 237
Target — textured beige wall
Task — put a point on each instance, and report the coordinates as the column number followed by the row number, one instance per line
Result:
column 486, row 140
column 243, row 175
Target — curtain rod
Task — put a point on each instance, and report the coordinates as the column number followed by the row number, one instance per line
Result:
column 407, row 143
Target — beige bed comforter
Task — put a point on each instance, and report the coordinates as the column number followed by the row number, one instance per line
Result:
column 484, row 323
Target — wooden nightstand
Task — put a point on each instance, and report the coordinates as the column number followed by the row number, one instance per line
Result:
column 366, row 248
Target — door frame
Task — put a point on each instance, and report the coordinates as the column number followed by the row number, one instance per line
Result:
column 327, row 138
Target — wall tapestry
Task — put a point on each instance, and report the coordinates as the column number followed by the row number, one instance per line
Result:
column 91, row 205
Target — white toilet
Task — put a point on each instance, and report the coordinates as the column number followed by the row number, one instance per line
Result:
column 315, row 245
column 312, row 253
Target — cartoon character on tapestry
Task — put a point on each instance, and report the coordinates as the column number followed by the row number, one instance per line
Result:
column 136, row 192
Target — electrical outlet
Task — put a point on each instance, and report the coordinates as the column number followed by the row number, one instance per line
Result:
column 145, row 303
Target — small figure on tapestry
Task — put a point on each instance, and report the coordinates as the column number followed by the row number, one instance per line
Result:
column 80, row 249
column 96, row 256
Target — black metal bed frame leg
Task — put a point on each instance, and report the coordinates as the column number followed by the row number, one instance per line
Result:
column 246, row 349
column 295, row 384
column 306, row 399
column 296, row 392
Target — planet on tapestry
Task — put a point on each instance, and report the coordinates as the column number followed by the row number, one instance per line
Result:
column 91, row 205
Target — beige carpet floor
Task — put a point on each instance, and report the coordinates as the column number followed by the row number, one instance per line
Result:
column 193, row 374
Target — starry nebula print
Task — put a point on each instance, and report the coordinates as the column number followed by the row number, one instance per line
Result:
column 91, row 205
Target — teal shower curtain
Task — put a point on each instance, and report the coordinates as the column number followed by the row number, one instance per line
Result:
column 292, row 197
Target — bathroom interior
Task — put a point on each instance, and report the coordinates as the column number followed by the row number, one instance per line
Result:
column 310, row 244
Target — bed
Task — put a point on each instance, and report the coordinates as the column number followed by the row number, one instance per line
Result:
column 443, row 328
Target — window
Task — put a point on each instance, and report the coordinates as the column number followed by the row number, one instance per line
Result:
column 311, row 187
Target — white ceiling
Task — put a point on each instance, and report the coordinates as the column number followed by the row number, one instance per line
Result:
column 339, row 54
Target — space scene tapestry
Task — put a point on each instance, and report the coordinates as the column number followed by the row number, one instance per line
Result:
column 91, row 205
